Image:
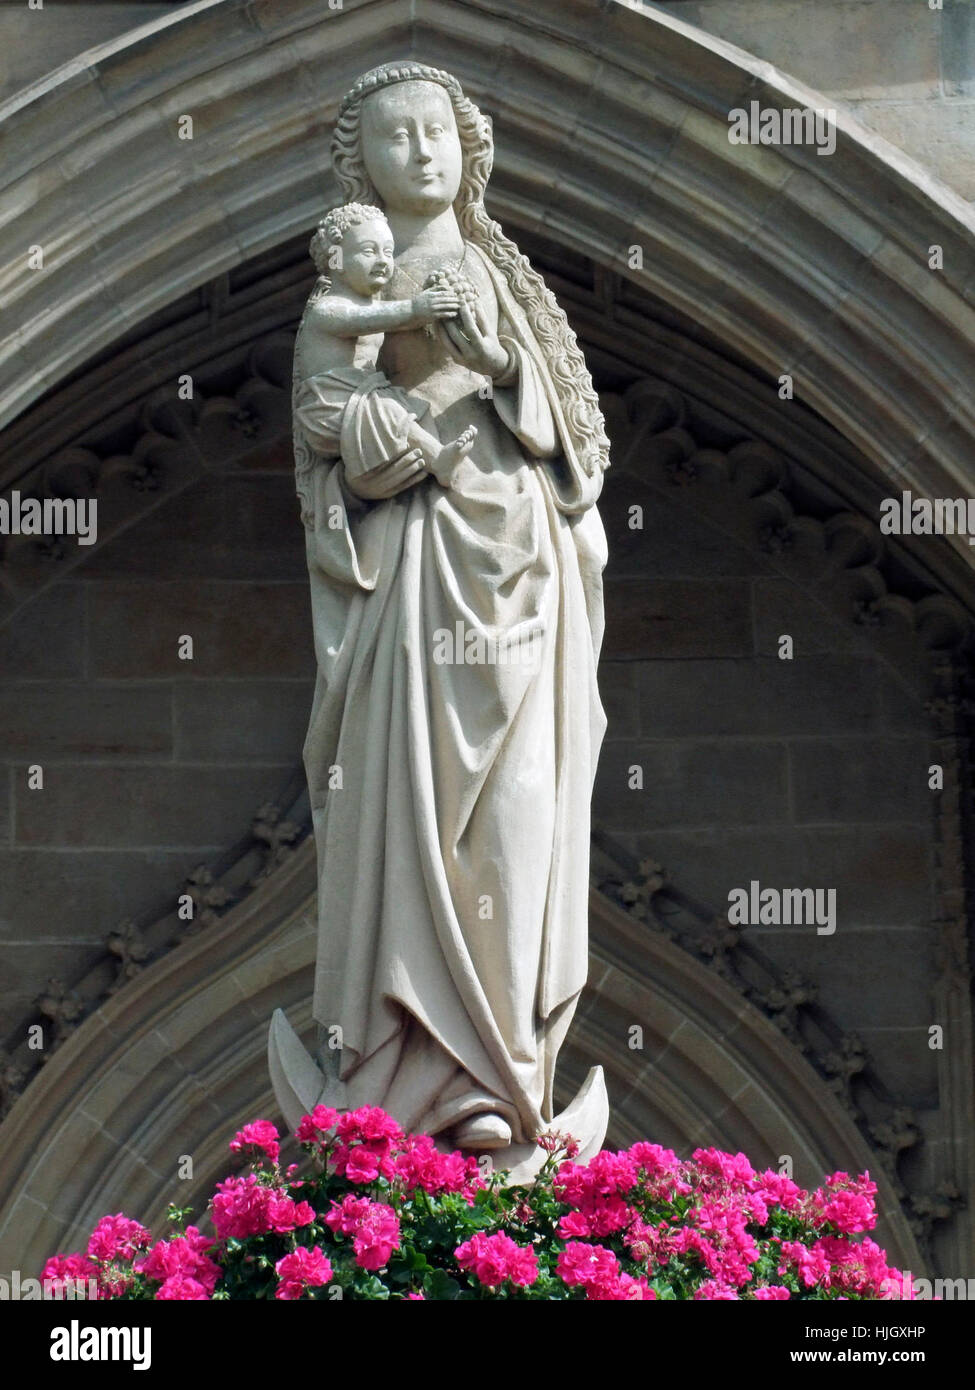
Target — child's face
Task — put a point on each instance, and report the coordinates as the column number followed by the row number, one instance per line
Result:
column 367, row 257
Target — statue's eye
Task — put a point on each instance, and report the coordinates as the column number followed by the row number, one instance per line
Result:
column 435, row 130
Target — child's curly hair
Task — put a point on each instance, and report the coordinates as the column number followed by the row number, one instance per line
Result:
column 333, row 228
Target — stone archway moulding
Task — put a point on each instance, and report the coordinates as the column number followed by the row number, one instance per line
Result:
column 816, row 266
column 175, row 1062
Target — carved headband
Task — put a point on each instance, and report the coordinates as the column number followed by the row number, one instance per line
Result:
column 388, row 73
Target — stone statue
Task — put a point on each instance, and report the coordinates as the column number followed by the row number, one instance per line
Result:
column 449, row 453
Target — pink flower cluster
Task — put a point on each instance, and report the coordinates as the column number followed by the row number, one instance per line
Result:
column 367, row 1138
column 314, row 1129
column 373, row 1226
column 602, row 1193
column 731, row 1170
column 246, row 1207
column 776, row 1190
column 631, row 1224
column 493, row 1259
column 834, row 1262
column 597, row 1270
column 117, row 1238
column 715, row 1291
column 421, row 1164
column 303, row 1269
column 183, row 1266
column 719, row 1237
column 369, row 1145
column 847, row 1203
column 605, row 1199
column 67, row 1274
column 258, row 1138
column 596, row 1194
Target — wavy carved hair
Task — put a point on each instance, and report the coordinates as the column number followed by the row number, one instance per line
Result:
column 564, row 359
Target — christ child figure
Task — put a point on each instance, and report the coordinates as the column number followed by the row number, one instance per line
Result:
column 372, row 422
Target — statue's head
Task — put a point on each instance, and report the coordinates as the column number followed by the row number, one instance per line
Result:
column 366, row 260
column 409, row 139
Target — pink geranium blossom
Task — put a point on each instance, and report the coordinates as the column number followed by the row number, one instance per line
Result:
column 421, row 1164
column 259, row 1135
column 313, row 1128
column 367, row 1140
column 377, row 1237
column 846, row 1203
column 573, row 1224
column 495, row 1258
column 69, row 1274
column 180, row 1287
column 303, row 1269
column 776, row 1189
column 369, row 1124
column 584, row 1264
column 285, row 1214
column 240, row 1208
column 811, row 1265
column 712, row 1291
column 652, row 1159
column 184, row 1257
column 373, row 1226
column 732, row 1169
column 117, row 1238
column 345, row 1215
column 245, row 1207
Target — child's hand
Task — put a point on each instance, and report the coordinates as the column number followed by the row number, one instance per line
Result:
column 436, row 303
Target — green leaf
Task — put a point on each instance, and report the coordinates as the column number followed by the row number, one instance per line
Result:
column 438, row 1284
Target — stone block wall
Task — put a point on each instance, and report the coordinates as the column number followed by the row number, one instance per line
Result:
column 810, row 772
column 151, row 764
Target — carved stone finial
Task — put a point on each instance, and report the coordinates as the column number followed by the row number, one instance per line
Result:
column 208, row 897
column 126, row 943
column 842, row 1065
column 929, row 1208
column 277, row 838
column 63, row 1008
column 896, row 1133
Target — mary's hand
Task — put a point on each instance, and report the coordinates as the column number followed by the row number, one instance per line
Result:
column 471, row 342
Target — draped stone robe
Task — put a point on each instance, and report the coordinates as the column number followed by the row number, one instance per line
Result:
column 453, row 859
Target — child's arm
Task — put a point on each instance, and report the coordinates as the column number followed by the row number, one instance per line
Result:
column 342, row 318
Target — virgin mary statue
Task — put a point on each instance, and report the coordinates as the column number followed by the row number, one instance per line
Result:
column 456, row 721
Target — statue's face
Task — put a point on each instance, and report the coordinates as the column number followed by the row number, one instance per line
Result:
column 410, row 147
column 367, row 257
